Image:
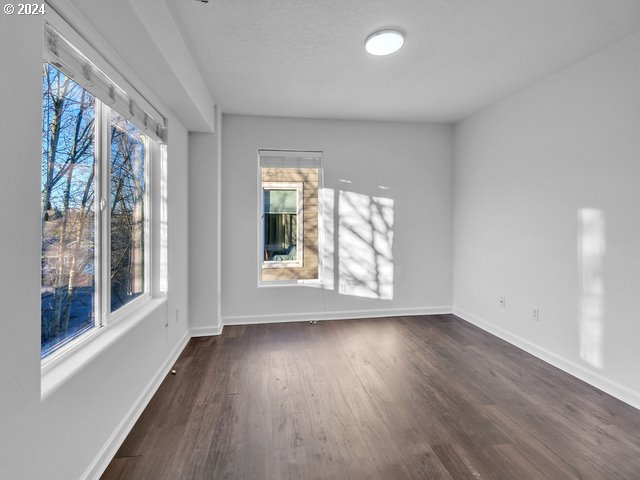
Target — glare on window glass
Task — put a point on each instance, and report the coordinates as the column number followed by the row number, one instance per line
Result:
column 127, row 204
column 67, row 210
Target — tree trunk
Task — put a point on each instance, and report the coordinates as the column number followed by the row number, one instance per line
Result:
column 79, row 225
column 58, row 100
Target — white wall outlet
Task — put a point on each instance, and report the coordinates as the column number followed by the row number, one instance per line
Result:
column 535, row 314
column 177, row 314
column 503, row 302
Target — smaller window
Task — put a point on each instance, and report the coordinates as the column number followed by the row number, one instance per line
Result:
column 282, row 218
column 289, row 217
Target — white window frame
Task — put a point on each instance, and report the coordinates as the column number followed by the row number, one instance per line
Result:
column 299, row 188
column 300, row 159
column 109, row 317
column 103, row 317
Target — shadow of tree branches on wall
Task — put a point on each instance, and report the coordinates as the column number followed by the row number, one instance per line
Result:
column 365, row 245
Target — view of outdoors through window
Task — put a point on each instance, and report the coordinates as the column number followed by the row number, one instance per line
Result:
column 280, row 224
column 67, row 213
column 127, row 211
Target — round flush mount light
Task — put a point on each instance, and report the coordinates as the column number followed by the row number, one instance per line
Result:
column 384, row 42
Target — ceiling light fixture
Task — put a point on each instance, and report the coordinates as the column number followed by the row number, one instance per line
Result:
column 384, row 41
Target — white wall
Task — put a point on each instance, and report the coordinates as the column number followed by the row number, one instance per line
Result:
column 413, row 162
column 546, row 214
column 58, row 436
column 204, row 231
column 20, row 130
column 178, row 217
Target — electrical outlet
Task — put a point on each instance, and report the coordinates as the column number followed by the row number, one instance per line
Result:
column 177, row 314
column 535, row 314
column 503, row 302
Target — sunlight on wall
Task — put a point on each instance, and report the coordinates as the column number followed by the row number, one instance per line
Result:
column 164, row 228
column 365, row 241
column 327, row 238
column 591, row 250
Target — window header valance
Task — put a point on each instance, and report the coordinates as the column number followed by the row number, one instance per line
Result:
column 64, row 56
column 290, row 159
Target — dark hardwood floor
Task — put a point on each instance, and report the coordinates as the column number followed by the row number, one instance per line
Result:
column 428, row 397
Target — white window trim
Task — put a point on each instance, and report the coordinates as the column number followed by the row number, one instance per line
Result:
column 299, row 188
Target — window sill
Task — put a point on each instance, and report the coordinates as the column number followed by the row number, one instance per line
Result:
column 284, row 264
column 61, row 368
column 291, row 283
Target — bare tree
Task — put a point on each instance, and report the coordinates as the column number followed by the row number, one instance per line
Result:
column 67, row 195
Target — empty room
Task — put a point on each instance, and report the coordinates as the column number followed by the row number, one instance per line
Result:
column 288, row 239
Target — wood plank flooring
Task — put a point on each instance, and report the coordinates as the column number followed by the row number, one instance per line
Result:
column 428, row 397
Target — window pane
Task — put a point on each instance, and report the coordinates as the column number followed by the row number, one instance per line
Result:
column 67, row 210
column 280, row 225
column 281, row 201
column 280, row 234
column 127, row 204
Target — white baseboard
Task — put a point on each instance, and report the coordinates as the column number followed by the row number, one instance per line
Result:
column 206, row 331
column 334, row 315
column 592, row 378
column 115, row 440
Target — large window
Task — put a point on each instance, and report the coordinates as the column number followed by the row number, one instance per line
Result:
column 289, row 215
column 95, row 197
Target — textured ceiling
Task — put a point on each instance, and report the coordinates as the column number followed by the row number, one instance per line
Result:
column 305, row 58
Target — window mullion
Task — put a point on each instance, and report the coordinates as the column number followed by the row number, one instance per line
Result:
column 99, row 207
column 106, row 225
column 103, row 258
